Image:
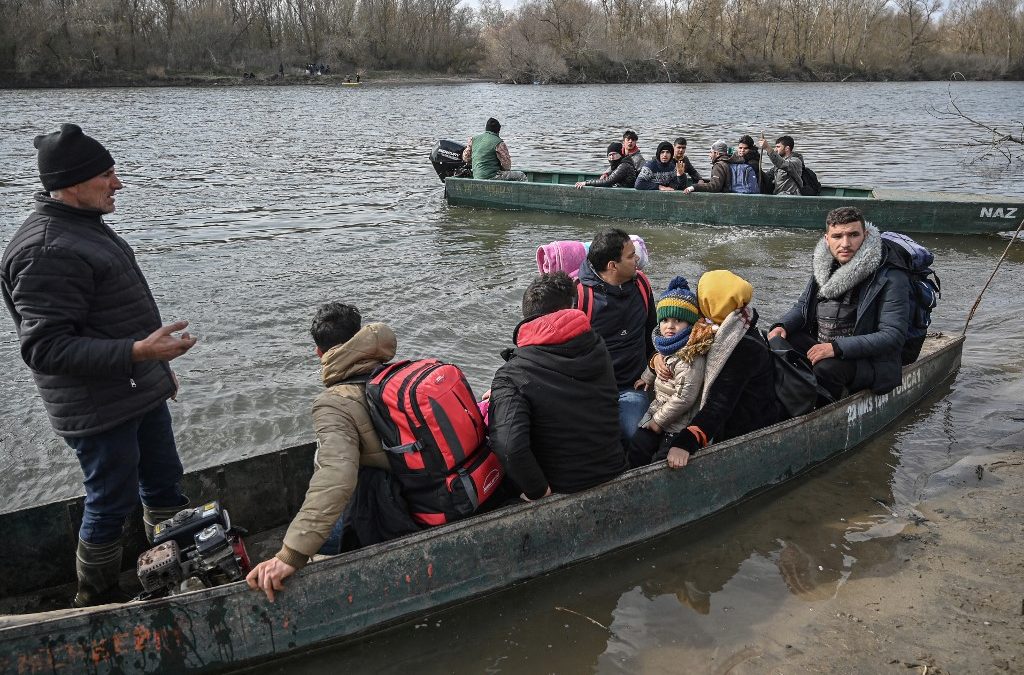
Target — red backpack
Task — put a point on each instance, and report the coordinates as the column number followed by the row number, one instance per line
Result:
column 428, row 422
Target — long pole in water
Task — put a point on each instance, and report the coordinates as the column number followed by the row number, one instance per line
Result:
column 970, row 315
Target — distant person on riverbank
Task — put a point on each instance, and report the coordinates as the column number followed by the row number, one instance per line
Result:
column 620, row 172
column 349, row 450
column 554, row 403
column 719, row 156
column 788, row 166
column 488, row 155
column 683, row 164
column 631, row 150
column 851, row 320
column 91, row 333
column 620, row 304
column 660, row 173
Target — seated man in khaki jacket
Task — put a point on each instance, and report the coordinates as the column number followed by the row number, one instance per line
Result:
column 345, row 436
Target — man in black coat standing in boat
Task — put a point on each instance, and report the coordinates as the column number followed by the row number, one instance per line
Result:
column 91, row 332
column 852, row 318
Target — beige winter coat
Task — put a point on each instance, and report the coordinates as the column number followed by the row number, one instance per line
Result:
column 345, row 439
column 675, row 401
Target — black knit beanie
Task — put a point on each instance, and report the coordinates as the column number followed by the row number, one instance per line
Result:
column 615, row 147
column 664, row 145
column 69, row 157
column 493, row 125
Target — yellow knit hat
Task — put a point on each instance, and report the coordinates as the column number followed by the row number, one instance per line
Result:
column 720, row 293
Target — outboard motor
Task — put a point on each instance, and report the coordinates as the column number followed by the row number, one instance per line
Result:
column 447, row 160
column 197, row 548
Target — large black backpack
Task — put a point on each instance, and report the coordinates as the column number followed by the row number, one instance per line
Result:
column 810, row 187
column 925, row 289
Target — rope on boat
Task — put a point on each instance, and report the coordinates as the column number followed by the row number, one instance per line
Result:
column 970, row 315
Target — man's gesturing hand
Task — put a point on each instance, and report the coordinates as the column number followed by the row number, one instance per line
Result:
column 160, row 345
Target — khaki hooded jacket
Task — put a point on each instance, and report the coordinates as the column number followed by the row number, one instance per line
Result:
column 345, row 440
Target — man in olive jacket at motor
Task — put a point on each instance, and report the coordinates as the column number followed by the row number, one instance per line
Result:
column 488, row 156
column 851, row 319
column 91, row 333
column 345, row 436
column 554, row 404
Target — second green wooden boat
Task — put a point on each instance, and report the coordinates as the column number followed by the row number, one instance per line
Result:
column 903, row 210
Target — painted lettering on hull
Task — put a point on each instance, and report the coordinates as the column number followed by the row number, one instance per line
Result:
column 1009, row 212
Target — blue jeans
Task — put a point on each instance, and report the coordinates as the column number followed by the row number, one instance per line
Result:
column 633, row 403
column 332, row 546
column 120, row 465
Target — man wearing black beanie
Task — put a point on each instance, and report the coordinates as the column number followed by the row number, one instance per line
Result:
column 91, row 333
column 488, row 155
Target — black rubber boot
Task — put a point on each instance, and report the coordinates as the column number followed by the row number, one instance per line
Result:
column 98, row 567
column 154, row 515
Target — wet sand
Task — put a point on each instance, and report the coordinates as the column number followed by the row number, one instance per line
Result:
column 952, row 600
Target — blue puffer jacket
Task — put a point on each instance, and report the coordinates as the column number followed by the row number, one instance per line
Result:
column 79, row 301
column 879, row 331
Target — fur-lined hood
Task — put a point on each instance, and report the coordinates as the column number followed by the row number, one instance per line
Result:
column 835, row 284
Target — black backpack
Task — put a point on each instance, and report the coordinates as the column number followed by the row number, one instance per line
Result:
column 925, row 289
column 796, row 387
column 811, row 187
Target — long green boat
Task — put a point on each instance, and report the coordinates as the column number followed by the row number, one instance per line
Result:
column 902, row 210
column 230, row 626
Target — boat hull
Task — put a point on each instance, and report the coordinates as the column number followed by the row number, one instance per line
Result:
column 902, row 210
column 358, row 592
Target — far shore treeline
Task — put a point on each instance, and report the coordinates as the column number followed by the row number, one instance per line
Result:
column 78, row 42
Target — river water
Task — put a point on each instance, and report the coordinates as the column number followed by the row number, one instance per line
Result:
column 249, row 206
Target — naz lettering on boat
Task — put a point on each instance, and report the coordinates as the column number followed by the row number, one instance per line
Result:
column 1009, row 212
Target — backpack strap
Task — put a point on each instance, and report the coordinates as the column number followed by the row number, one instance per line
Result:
column 645, row 289
column 585, row 299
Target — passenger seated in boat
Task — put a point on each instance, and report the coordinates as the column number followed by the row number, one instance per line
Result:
column 618, row 300
column 660, row 172
column 488, row 155
column 719, row 156
column 630, row 149
column 345, row 438
column 787, row 166
column 744, row 171
column 738, row 395
column 682, row 343
column 851, row 319
column 621, row 172
column 683, row 164
column 554, row 403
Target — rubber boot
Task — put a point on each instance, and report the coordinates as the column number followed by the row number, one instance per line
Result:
column 98, row 567
column 154, row 515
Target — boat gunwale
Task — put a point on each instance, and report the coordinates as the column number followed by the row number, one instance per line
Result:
column 72, row 617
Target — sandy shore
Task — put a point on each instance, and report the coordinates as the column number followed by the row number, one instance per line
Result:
column 951, row 599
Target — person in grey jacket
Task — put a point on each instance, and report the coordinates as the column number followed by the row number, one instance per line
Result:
column 787, row 166
column 851, row 320
column 91, row 333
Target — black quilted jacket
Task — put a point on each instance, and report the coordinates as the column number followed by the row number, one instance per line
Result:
column 79, row 301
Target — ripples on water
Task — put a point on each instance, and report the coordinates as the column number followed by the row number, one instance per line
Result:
column 249, row 206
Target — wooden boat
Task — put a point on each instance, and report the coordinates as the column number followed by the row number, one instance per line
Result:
column 355, row 593
column 902, row 210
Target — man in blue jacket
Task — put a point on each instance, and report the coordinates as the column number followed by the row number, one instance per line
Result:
column 91, row 333
column 852, row 318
